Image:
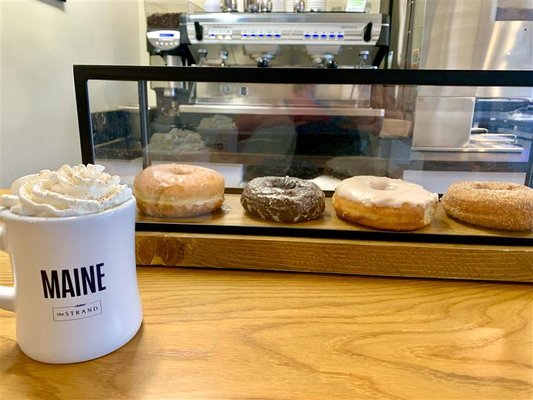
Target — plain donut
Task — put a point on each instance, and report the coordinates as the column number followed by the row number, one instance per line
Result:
column 178, row 190
column 496, row 205
column 384, row 203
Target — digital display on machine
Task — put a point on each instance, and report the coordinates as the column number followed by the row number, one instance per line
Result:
column 166, row 35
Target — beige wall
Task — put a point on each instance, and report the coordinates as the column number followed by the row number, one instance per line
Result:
column 40, row 40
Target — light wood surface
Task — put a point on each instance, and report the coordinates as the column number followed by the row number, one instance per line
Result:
column 212, row 334
column 360, row 257
column 382, row 257
column 233, row 214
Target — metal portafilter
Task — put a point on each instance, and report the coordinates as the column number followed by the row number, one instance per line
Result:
column 255, row 6
column 325, row 61
column 266, row 6
column 299, row 6
column 251, row 6
column 223, row 57
column 229, row 5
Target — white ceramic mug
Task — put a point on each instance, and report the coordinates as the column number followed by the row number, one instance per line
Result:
column 75, row 296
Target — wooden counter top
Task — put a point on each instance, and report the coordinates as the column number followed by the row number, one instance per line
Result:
column 223, row 334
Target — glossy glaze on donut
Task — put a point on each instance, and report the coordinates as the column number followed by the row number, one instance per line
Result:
column 178, row 190
column 384, row 203
column 496, row 205
column 283, row 199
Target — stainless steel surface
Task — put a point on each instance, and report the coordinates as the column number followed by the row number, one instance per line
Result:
column 482, row 143
column 262, row 110
column 442, row 122
column 462, row 34
column 471, row 34
column 285, row 39
column 286, row 28
column 508, row 138
column 256, row 94
column 462, row 156
column 475, row 149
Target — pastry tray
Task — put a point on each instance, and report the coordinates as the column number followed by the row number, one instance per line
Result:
column 231, row 238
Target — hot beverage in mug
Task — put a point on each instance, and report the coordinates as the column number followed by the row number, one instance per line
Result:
column 71, row 237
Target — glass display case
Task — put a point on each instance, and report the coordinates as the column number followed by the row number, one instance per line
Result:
column 428, row 127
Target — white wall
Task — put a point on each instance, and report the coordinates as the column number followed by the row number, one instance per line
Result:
column 40, row 40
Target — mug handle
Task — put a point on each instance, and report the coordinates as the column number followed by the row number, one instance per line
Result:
column 7, row 293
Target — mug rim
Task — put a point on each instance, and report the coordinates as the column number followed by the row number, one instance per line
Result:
column 6, row 214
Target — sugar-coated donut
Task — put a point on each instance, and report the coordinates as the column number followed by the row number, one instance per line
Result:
column 496, row 205
column 178, row 190
column 283, row 199
column 384, row 203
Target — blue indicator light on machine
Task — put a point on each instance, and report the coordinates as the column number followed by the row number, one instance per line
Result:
column 261, row 35
column 244, row 35
column 307, row 35
column 166, row 35
column 277, row 35
column 315, row 35
column 269, row 35
column 340, row 36
column 323, row 36
column 252, row 35
column 332, row 36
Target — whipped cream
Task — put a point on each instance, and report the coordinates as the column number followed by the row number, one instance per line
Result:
column 67, row 192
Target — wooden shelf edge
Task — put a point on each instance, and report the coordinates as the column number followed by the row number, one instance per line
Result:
column 358, row 257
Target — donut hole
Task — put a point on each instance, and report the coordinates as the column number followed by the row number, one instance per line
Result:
column 379, row 184
column 181, row 171
column 284, row 184
column 493, row 186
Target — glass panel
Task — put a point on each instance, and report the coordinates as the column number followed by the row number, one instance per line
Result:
column 427, row 135
column 116, row 127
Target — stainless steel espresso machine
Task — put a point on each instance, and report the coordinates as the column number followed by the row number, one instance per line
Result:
column 324, row 40
column 263, row 40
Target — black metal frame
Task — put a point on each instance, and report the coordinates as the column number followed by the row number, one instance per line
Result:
column 84, row 73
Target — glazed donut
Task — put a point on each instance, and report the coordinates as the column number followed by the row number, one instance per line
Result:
column 283, row 199
column 384, row 203
column 496, row 205
column 178, row 190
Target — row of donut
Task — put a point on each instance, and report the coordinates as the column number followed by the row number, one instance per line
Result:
column 181, row 190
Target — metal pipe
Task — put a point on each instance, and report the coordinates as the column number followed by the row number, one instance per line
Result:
column 143, row 116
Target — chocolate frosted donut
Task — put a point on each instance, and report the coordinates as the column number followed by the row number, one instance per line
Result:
column 283, row 199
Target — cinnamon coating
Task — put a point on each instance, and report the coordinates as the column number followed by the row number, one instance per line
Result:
column 495, row 205
column 283, row 199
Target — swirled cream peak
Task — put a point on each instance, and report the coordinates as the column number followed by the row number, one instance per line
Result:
column 69, row 191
